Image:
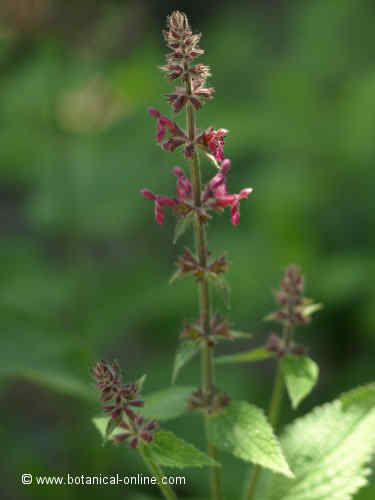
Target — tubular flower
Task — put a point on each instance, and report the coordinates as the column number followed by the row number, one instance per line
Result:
column 183, row 185
column 177, row 138
column 181, row 204
column 217, row 197
column 213, row 140
column 160, row 202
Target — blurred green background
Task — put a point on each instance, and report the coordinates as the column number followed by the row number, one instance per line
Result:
column 84, row 269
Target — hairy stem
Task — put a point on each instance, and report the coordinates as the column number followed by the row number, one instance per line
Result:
column 273, row 417
column 273, row 412
column 158, row 474
column 207, row 365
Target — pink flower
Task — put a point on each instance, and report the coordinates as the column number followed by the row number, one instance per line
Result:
column 160, row 202
column 217, row 183
column 183, row 186
column 233, row 200
column 214, row 140
column 163, row 123
column 216, row 195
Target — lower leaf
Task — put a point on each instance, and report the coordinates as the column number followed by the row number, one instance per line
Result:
column 244, row 431
column 170, row 451
column 329, row 450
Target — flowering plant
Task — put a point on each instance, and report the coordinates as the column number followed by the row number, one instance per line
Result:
column 309, row 472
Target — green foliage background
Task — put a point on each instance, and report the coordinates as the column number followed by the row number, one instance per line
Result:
column 83, row 266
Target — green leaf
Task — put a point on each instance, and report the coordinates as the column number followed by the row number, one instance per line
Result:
column 182, row 225
column 300, row 374
column 185, row 352
column 57, row 381
column 329, row 450
column 163, row 405
column 167, row 404
column 257, row 354
column 140, row 382
column 236, row 334
column 213, row 160
column 103, row 426
column 107, row 428
column 244, row 431
column 310, row 309
column 170, row 451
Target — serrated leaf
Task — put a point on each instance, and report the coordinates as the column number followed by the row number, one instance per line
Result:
column 244, row 431
column 257, row 354
column 167, row 404
column 185, row 352
column 328, row 449
column 170, row 451
column 300, row 375
column 182, row 225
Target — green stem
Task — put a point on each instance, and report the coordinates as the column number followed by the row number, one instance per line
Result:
column 167, row 491
column 277, row 394
column 273, row 412
column 207, row 365
column 273, row 417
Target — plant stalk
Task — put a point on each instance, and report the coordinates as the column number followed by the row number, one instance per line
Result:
column 207, row 365
column 154, row 468
column 273, row 412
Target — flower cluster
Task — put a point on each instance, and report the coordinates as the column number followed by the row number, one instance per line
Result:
column 278, row 346
column 295, row 310
column 295, row 307
column 123, row 400
column 189, row 264
column 215, row 197
column 184, row 49
column 219, row 329
column 210, row 404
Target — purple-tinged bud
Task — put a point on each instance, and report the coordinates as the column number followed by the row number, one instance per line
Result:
column 189, row 150
column 218, row 266
column 298, row 350
column 122, row 437
column 116, row 413
column 146, row 436
column 275, row 344
column 134, row 443
column 139, row 420
column 136, row 402
column 151, row 425
column 130, row 413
